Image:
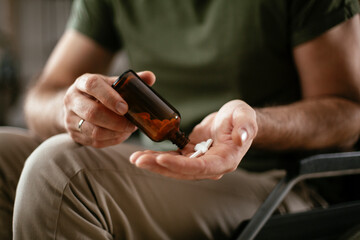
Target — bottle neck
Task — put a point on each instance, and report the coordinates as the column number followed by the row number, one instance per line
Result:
column 179, row 138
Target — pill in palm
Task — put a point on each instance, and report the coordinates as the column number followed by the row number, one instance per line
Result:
column 201, row 148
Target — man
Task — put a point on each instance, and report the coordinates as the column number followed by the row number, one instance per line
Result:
column 272, row 76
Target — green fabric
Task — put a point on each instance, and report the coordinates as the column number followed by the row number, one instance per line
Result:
column 207, row 52
column 312, row 17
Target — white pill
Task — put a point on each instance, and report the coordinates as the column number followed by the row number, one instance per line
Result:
column 195, row 154
column 201, row 148
column 208, row 143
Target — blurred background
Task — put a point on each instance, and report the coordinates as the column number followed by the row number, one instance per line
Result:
column 29, row 31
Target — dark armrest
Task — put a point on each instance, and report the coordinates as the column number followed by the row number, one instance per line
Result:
column 320, row 165
column 329, row 164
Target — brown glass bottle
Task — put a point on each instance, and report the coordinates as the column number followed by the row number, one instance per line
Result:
column 149, row 111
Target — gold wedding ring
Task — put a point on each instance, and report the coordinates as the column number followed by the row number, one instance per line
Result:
column 80, row 124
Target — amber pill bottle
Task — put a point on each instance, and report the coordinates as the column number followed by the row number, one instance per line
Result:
column 149, row 111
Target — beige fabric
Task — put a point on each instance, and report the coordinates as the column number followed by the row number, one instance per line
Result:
column 68, row 191
column 15, row 146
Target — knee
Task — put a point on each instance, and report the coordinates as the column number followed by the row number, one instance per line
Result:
column 48, row 164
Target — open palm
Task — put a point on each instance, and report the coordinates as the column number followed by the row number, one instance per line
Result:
column 232, row 128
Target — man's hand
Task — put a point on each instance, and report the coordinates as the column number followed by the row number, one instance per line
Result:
column 232, row 128
column 92, row 99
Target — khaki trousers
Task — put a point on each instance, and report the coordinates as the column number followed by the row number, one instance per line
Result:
column 68, row 191
column 15, row 146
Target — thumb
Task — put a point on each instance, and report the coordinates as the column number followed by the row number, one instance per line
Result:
column 148, row 77
column 240, row 136
column 245, row 126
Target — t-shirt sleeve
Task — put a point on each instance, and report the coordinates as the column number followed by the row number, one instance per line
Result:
column 94, row 18
column 311, row 18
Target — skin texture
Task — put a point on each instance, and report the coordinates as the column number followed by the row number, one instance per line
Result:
column 328, row 116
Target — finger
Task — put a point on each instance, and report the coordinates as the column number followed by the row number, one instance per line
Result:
column 150, row 153
column 213, row 162
column 109, row 142
column 136, row 155
column 148, row 160
column 245, row 126
column 201, row 131
column 240, row 136
column 151, row 164
column 148, row 77
column 84, row 140
column 96, row 86
column 97, row 114
column 171, row 160
column 184, row 165
column 93, row 132
column 208, row 120
column 96, row 133
column 148, row 157
column 102, row 138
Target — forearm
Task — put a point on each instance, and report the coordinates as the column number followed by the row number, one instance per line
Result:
column 327, row 123
column 44, row 111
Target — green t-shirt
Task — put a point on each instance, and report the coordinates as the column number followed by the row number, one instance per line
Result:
column 205, row 53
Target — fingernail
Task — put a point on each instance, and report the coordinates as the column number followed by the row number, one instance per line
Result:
column 132, row 159
column 243, row 135
column 121, row 107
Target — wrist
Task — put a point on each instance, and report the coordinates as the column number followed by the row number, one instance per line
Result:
column 269, row 129
column 258, row 141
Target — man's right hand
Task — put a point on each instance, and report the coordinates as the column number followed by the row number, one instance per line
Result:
column 92, row 99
